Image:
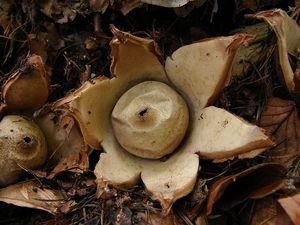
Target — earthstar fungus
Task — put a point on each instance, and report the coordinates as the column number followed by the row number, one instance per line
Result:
column 195, row 74
column 22, row 145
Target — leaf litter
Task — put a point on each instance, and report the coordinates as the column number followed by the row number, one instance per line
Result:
column 76, row 53
column 280, row 119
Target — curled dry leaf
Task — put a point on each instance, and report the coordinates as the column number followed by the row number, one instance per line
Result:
column 198, row 73
column 28, row 87
column 255, row 182
column 288, row 38
column 22, row 146
column 268, row 212
column 280, row 119
column 291, row 205
column 32, row 195
column 63, row 136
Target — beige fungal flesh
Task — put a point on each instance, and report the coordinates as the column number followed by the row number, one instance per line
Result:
column 23, row 146
column 150, row 120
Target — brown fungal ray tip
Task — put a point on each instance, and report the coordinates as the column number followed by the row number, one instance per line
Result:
column 122, row 39
column 28, row 87
column 287, row 32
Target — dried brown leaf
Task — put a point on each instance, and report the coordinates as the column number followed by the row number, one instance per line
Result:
column 268, row 212
column 291, row 205
column 31, row 194
column 255, row 182
column 76, row 162
column 280, row 119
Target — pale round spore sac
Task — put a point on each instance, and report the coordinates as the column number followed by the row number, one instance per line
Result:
column 22, row 146
column 150, row 120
